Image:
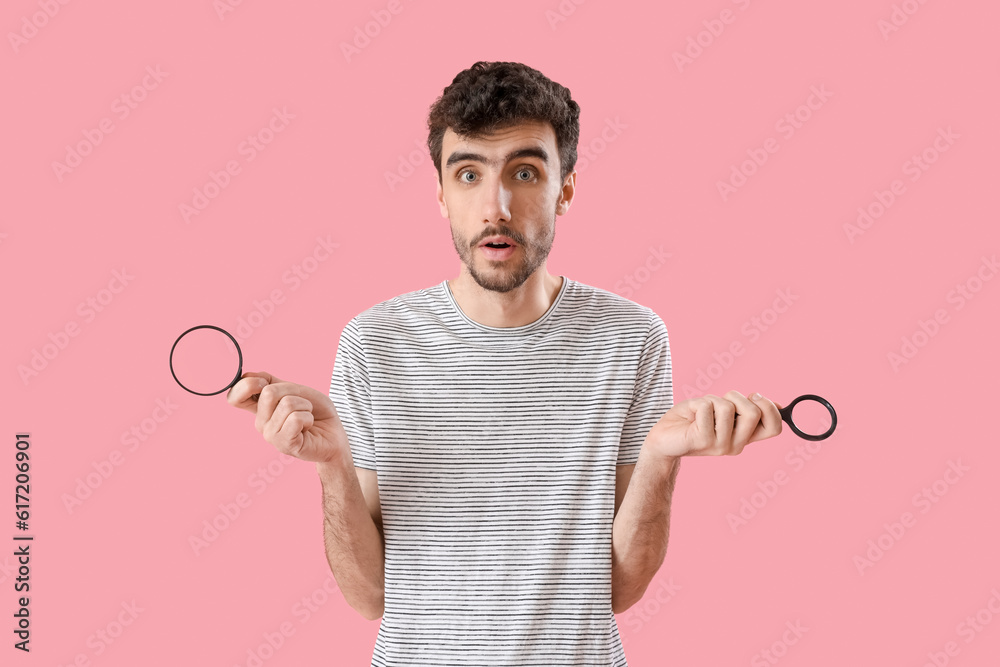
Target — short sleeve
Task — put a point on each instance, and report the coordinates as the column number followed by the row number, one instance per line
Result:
column 653, row 394
column 351, row 396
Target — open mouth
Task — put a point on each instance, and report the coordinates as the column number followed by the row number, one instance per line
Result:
column 497, row 242
column 499, row 249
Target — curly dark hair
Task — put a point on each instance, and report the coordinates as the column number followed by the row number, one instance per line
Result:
column 491, row 96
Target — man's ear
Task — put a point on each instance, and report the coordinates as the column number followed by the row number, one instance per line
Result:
column 441, row 202
column 567, row 193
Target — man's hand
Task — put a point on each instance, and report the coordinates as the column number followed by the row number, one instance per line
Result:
column 297, row 420
column 714, row 426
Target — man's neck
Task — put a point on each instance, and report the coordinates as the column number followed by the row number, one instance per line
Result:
column 516, row 308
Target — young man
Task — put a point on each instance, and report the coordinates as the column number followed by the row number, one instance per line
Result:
column 498, row 451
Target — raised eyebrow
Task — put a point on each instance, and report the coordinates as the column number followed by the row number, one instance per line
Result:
column 532, row 151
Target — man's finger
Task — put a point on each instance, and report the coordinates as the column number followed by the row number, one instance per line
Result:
column 704, row 417
column 770, row 419
column 747, row 420
column 725, row 413
column 241, row 394
column 292, row 434
column 288, row 405
column 266, row 403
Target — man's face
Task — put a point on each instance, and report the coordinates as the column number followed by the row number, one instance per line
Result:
column 507, row 185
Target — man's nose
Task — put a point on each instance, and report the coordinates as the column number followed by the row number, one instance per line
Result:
column 495, row 202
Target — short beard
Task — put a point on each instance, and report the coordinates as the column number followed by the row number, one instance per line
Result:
column 510, row 279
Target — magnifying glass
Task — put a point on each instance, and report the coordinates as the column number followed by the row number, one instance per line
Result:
column 810, row 418
column 202, row 360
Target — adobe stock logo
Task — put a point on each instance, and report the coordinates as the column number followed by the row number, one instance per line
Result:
column 231, row 510
column 589, row 151
column 752, row 328
column 751, row 506
column 779, row 648
column 655, row 261
column 295, row 277
column 914, row 167
column 381, row 18
column 653, row 600
column 900, row 14
column 60, row 340
column 250, row 148
column 30, row 28
column 564, row 10
column 104, row 637
column 960, row 295
column 922, row 500
column 303, row 610
column 786, row 126
column 121, row 106
column 406, row 166
column 696, row 44
column 968, row 629
column 105, row 467
column 223, row 7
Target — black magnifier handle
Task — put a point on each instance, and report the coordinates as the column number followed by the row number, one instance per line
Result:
column 786, row 415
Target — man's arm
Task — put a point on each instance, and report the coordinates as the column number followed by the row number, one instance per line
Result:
column 352, row 518
column 352, row 533
column 641, row 525
column 705, row 426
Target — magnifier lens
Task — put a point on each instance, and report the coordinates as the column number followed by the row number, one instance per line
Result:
column 811, row 417
column 205, row 361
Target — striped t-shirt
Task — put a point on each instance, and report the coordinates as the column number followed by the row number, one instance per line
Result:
column 495, row 450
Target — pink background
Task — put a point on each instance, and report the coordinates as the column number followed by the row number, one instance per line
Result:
column 653, row 183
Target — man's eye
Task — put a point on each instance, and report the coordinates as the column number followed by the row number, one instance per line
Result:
column 526, row 172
